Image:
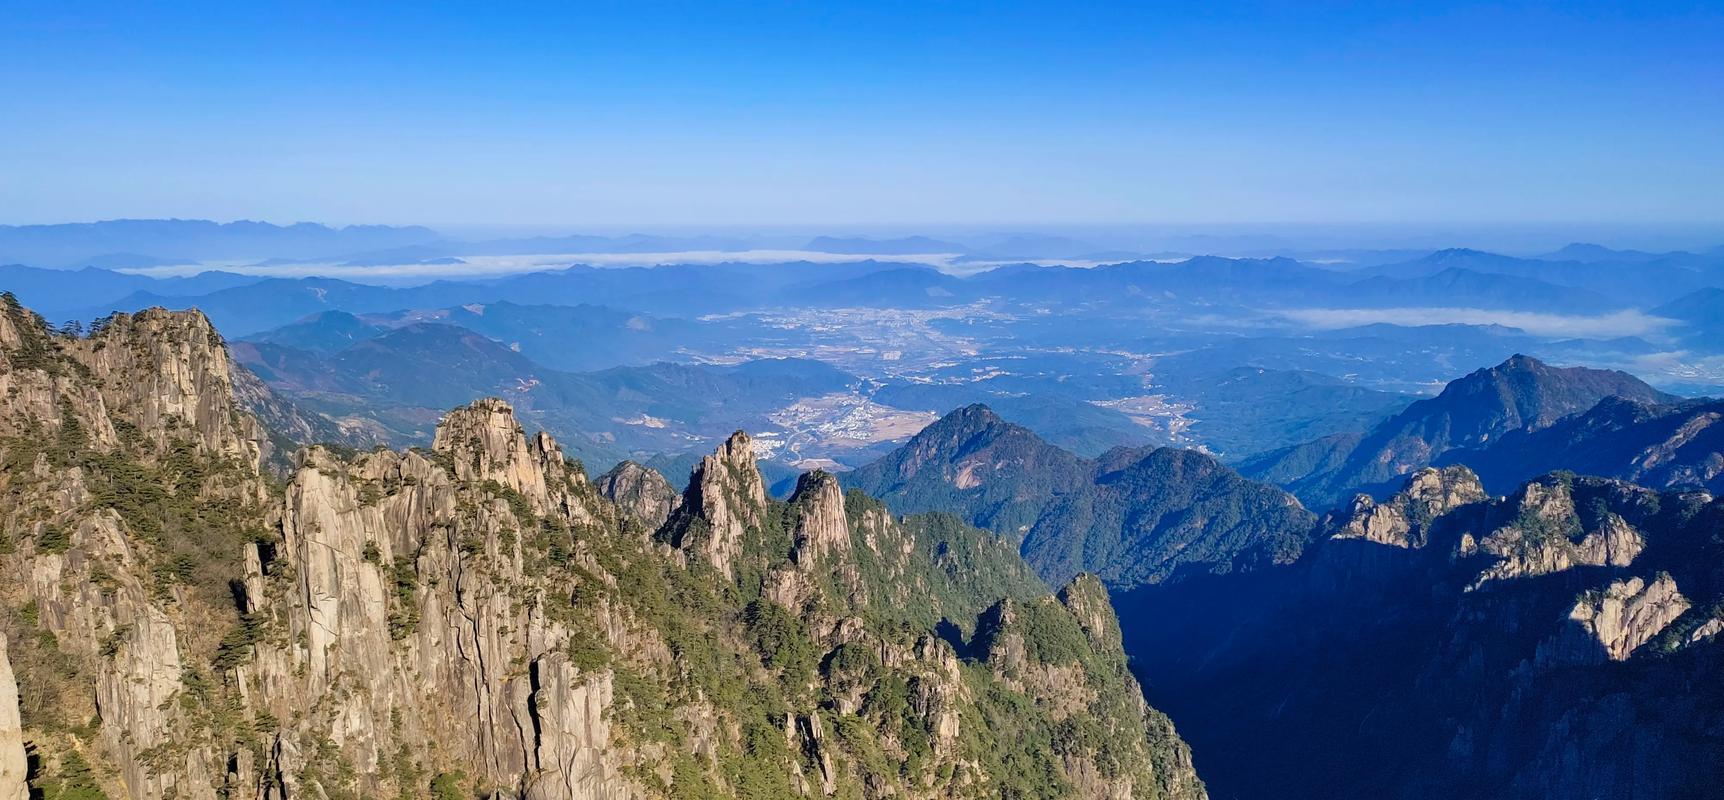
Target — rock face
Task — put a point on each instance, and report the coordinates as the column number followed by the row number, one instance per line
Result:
column 727, row 496
column 479, row 619
column 1403, row 519
column 1558, row 642
column 1613, row 623
column 486, row 444
column 640, row 491
column 408, row 615
column 822, row 528
column 13, row 767
column 1543, row 531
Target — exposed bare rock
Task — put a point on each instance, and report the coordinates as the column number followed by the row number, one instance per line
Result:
column 13, row 766
column 573, row 735
column 725, row 496
column 822, row 528
column 159, row 369
column 640, row 491
column 1612, row 623
column 1086, row 598
column 1403, row 519
column 487, row 444
column 1707, row 630
column 401, row 627
column 1546, row 533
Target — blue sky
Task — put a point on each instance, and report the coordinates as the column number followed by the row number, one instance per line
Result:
column 655, row 114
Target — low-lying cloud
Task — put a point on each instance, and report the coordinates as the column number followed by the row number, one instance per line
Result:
column 494, row 266
column 1602, row 326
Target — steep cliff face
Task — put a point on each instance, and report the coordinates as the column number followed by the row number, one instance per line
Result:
column 1613, row 622
column 479, row 618
column 13, row 764
column 132, row 484
column 822, row 527
column 726, row 496
column 407, row 615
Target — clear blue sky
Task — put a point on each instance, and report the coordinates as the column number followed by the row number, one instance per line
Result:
column 712, row 113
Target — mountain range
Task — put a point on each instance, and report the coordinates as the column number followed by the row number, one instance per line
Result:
column 1449, row 279
column 1478, row 410
column 477, row 618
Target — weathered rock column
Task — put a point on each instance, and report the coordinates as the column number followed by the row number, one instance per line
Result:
column 13, row 765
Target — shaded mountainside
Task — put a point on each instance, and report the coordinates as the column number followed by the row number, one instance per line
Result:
column 478, row 619
column 1520, row 394
column 1130, row 516
column 1661, row 446
column 1559, row 642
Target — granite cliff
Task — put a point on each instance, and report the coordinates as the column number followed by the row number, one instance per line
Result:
column 477, row 619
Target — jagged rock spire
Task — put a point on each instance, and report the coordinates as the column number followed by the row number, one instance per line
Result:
column 822, row 527
column 725, row 497
column 486, row 443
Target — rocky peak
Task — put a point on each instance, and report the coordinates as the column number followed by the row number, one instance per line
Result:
column 736, row 457
column 640, row 491
column 169, row 371
column 822, row 527
column 1404, row 518
column 1544, row 528
column 725, row 497
column 1085, row 596
column 487, row 444
column 16, row 322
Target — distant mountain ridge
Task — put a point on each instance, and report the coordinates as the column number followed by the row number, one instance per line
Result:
column 1663, row 446
column 1132, row 516
column 908, row 245
column 1520, row 394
